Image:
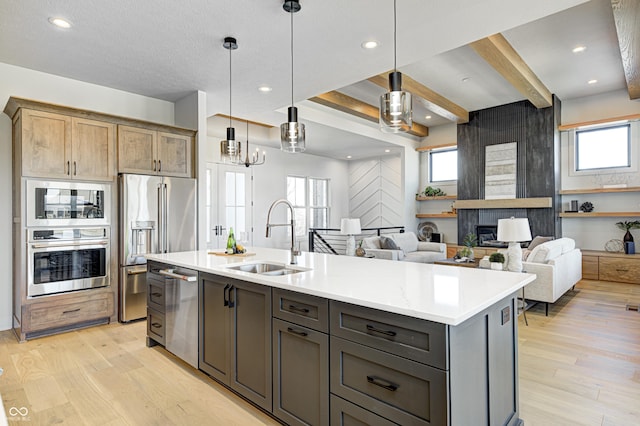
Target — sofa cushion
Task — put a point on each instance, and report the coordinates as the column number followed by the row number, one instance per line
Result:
column 388, row 243
column 407, row 241
column 550, row 250
column 371, row 243
column 537, row 241
column 424, row 256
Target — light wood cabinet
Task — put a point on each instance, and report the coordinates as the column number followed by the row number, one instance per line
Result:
column 142, row 150
column 60, row 146
column 611, row 266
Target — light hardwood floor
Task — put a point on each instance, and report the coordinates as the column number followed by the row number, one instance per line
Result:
column 578, row 366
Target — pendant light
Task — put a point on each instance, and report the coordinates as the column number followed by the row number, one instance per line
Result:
column 292, row 138
column 230, row 148
column 255, row 157
column 395, row 105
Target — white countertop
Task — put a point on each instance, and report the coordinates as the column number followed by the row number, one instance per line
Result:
column 444, row 294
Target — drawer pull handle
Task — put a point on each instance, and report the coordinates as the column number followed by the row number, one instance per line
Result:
column 156, row 294
column 70, row 311
column 379, row 381
column 622, row 270
column 372, row 329
column 298, row 309
column 298, row 332
column 156, row 325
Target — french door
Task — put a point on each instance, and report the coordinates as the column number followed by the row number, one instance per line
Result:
column 228, row 204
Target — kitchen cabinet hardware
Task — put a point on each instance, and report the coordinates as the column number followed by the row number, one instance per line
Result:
column 298, row 309
column 225, row 295
column 379, row 381
column 156, row 324
column 298, row 332
column 70, row 311
column 372, row 329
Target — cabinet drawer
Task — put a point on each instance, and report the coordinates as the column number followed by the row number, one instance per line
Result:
column 396, row 388
column 155, row 292
column 303, row 309
column 85, row 308
column 344, row 413
column 156, row 326
column 420, row 340
column 590, row 267
column 619, row 269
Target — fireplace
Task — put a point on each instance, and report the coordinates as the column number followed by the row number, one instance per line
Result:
column 487, row 235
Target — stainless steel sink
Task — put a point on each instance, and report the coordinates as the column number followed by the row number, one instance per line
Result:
column 265, row 268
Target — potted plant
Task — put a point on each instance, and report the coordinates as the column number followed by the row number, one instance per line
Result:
column 628, row 226
column 497, row 261
column 470, row 241
column 360, row 251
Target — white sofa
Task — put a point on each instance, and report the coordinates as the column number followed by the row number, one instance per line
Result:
column 409, row 248
column 558, row 266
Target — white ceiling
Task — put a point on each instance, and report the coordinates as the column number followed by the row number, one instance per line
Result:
column 167, row 49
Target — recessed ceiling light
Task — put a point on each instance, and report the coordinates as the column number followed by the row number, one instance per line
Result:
column 371, row 44
column 594, row 81
column 466, row 79
column 348, row 157
column 59, row 22
column 579, row 49
column 387, row 150
column 265, row 89
column 428, row 117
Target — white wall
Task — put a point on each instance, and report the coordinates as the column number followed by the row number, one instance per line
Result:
column 593, row 233
column 270, row 184
column 25, row 83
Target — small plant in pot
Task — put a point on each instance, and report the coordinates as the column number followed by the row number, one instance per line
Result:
column 469, row 242
column 628, row 238
column 497, row 261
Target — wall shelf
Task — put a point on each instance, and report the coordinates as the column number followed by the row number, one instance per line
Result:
column 599, row 190
column 510, row 203
column 436, row 215
column 435, row 198
column 601, row 214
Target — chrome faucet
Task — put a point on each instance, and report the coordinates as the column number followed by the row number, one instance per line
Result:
column 294, row 251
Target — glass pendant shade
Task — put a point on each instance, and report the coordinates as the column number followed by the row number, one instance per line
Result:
column 292, row 137
column 230, row 149
column 395, row 107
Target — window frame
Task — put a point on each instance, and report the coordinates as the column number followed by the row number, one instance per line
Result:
column 308, row 206
column 430, row 165
column 633, row 147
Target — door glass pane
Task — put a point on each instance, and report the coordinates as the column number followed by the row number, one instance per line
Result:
column 240, row 222
column 231, row 218
column 230, row 188
column 240, row 189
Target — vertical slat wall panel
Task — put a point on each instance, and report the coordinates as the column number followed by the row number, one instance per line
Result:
column 538, row 163
column 375, row 188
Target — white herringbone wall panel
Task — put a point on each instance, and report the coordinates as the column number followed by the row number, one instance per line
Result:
column 375, row 192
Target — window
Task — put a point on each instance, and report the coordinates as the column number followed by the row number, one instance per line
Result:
column 443, row 165
column 310, row 200
column 235, row 202
column 603, row 148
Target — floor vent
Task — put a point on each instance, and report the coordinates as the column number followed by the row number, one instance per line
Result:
column 632, row 308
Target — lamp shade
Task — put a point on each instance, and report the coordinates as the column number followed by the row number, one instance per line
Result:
column 350, row 226
column 514, row 230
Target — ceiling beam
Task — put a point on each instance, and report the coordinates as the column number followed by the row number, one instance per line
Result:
column 498, row 53
column 349, row 105
column 242, row 120
column 435, row 102
column 626, row 14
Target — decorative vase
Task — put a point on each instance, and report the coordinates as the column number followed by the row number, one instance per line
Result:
column 496, row 266
column 360, row 252
column 628, row 238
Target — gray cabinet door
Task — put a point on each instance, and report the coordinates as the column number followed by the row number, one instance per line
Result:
column 250, row 309
column 214, row 317
column 301, row 374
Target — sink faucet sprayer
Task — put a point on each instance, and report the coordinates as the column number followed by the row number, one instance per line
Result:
column 294, row 252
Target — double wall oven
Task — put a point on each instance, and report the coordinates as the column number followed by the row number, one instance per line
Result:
column 68, row 232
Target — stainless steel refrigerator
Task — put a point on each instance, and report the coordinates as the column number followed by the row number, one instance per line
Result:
column 157, row 215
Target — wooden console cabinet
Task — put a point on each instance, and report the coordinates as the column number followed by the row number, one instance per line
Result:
column 608, row 266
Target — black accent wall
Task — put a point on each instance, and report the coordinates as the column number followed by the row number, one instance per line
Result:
column 538, row 164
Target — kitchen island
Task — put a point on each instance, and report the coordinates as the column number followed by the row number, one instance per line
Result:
column 346, row 338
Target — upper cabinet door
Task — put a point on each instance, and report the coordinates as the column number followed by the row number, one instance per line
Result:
column 93, row 150
column 174, row 154
column 46, row 144
column 137, row 150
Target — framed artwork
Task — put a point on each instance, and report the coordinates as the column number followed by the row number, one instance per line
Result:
column 500, row 171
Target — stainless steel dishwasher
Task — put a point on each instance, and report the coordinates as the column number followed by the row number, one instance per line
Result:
column 181, row 299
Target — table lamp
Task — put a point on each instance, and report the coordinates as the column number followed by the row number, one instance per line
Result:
column 350, row 227
column 514, row 231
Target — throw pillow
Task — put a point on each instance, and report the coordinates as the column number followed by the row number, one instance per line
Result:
column 537, row 241
column 388, row 243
